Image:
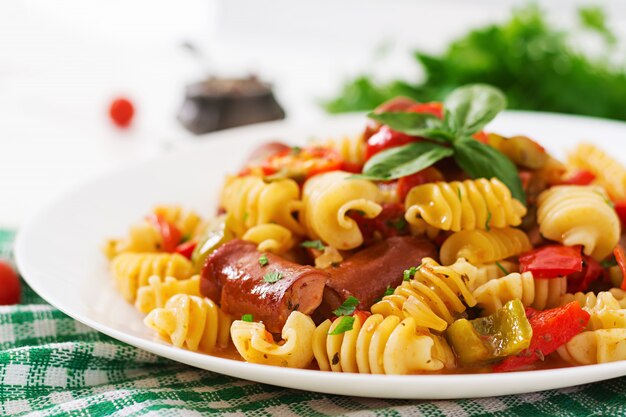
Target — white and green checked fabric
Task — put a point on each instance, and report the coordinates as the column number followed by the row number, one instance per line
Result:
column 51, row 365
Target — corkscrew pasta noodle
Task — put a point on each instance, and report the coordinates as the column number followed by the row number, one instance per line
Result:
column 609, row 173
column 467, row 205
column 481, row 246
column 158, row 290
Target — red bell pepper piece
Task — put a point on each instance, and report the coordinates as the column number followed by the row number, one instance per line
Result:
column 580, row 177
column 620, row 257
column 186, row 249
column 170, row 235
column 430, row 174
column 620, row 209
column 552, row 261
column 580, row 281
column 551, row 329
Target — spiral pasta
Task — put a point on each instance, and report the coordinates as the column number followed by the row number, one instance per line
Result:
column 605, row 310
column 433, row 297
column 158, row 290
column 592, row 347
column 132, row 270
column 609, row 173
column 270, row 238
column 467, row 205
column 350, row 148
column 256, row 345
column 142, row 237
column 579, row 215
column 187, row 221
column 481, row 246
column 192, row 322
column 327, row 200
column 380, row 345
column 478, row 275
column 532, row 292
column 249, row 202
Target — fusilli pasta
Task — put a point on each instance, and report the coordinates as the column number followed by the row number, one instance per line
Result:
column 579, row 215
column 327, row 200
column 256, row 345
column 132, row 270
column 380, row 346
column 192, row 322
column 609, row 173
column 481, row 246
column 433, row 297
column 158, row 290
column 467, row 205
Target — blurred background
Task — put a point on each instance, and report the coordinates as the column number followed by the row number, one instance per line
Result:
column 63, row 63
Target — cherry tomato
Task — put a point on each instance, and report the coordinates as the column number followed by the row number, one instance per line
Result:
column 620, row 208
column 170, row 235
column 301, row 164
column 10, row 287
column 382, row 137
column 430, row 174
column 121, row 111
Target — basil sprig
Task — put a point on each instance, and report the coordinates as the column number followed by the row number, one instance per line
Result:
column 467, row 110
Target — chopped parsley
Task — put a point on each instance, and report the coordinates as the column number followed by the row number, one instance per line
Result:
column 458, row 192
column 410, row 273
column 487, row 227
column 295, row 150
column 272, row 277
column 263, row 260
column 503, row 269
column 389, row 291
column 608, row 263
column 313, row 244
column 247, row 318
column 347, row 307
column 398, row 224
column 346, row 323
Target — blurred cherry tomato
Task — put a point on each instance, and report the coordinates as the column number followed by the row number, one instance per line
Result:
column 170, row 235
column 121, row 111
column 580, row 177
column 382, row 137
column 10, row 286
column 620, row 209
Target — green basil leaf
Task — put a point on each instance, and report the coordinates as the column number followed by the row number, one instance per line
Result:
column 471, row 107
column 345, row 324
column 483, row 161
column 414, row 124
column 404, row 160
column 348, row 307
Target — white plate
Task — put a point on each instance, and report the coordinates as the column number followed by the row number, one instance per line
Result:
column 58, row 253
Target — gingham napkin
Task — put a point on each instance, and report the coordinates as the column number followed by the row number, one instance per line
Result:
column 51, row 365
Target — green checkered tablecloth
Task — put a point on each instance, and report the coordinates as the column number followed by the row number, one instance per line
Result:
column 51, row 365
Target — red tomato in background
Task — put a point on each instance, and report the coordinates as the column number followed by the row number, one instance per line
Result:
column 10, row 287
column 580, row 177
column 121, row 111
column 170, row 235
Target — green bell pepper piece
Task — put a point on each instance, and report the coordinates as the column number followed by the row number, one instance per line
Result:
column 214, row 236
column 506, row 332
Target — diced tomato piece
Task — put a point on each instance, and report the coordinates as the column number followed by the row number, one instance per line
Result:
column 395, row 104
column 580, row 281
column 552, row 261
column 390, row 222
column 620, row 257
column 551, row 329
column 620, row 209
column 362, row 315
column 525, row 177
column 10, row 287
column 430, row 174
column 186, row 249
column 170, row 235
column 580, row 177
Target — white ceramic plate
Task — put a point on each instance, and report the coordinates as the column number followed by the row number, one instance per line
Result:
column 58, row 253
